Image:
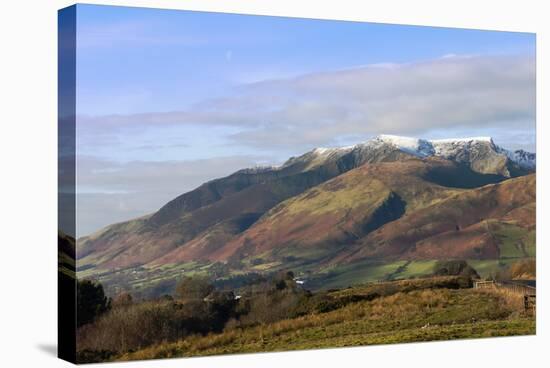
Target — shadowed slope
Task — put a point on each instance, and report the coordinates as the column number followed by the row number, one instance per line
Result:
column 333, row 216
column 186, row 220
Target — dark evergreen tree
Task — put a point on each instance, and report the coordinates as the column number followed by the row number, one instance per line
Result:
column 91, row 301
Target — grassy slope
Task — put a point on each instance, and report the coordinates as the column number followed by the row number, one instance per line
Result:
column 350, row 206
column 369, row 271
column 420, row 315
column 292, row 236
column 456, row 227
column 233, row 198
column 514, row 241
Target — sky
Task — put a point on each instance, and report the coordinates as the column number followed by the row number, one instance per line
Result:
column 169, row 99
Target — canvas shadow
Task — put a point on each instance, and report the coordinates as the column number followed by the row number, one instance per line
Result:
column 50, row 349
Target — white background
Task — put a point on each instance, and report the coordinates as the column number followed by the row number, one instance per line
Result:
column 28, row 187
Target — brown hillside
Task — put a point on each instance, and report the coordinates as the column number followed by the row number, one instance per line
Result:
column 334, row 216
column 457, row 227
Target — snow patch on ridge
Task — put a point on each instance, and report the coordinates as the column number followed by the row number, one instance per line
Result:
column 447, row 148
column 415, row 146
column 459, row 140
column 450, row 147
column 258, row 169
column 328, row 151
column 522, row 158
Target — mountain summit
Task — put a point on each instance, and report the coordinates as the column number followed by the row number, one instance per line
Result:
column 480, row 153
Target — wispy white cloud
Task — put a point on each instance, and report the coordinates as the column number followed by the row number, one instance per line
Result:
column 452, row 92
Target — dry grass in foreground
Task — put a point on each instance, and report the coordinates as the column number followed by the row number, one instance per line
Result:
column 406, row 316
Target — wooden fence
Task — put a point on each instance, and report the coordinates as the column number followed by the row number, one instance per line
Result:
column 529, row 293
column 530, row 303
column 518, row 288
column 484, row 285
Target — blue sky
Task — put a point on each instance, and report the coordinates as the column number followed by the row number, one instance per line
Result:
column 161, row 60
column 169, row 95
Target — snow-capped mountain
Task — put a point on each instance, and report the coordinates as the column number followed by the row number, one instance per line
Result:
column 480, row 153
column 457, row 148
column 388, row 198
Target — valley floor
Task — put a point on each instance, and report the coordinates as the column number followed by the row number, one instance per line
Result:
column 408, row 315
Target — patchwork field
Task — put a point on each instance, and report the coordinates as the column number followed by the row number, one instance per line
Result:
column 162, row 280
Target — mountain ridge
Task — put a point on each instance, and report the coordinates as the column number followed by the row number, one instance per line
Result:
column 337, row 198
column 420, row 147
column 417, row 146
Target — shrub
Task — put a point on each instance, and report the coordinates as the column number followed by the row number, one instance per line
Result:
column 193, row 288
column 137, row 325
column 272, row 301
column 454, row 268
column 122, row 300
column 91, row 301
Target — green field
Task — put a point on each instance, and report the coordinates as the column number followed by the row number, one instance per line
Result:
column 514, row 241
column 160, row 280
column 369, row 271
